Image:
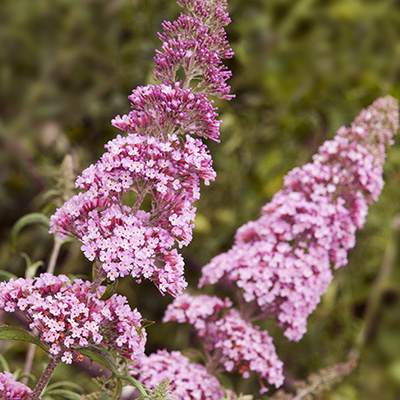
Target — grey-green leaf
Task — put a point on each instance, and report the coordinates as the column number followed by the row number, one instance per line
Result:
column 67, row 394
column 13, row 333
column 4, row 364
column 139, row 386
column 59, row 384
column 6, row 276
column 102, row 356
column 110, row 290
column 31, row 268
column 33, row 218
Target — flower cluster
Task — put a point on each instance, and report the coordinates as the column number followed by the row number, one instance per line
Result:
column 10, row 389
column 188, row 381
column 169, row 109
column 69, row 317
column 195, row 43
column 127, row 240
column 195, row 310
column 245, row 347
column 231, row 342
column 158, row 161
column 282, row 261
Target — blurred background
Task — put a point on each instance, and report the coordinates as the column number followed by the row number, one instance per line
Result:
column 301, row 70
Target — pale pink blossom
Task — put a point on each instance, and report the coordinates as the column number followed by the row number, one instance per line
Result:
column 282, row 262
column 68, row 317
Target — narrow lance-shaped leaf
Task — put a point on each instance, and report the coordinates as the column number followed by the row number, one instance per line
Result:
column 66, row 394
column 110, row 290
column 13, row 333
column 33, row 218
column 101, row 356
column 6, row 276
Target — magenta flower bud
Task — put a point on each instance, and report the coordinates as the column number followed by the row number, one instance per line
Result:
column 196, row 44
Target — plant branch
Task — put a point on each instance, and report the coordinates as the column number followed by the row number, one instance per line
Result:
column 374, row 300
column 30, row 355
column 54, row 254
column 51, row 366
column 101, row 275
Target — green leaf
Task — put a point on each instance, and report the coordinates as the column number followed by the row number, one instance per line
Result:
column 118, row 390
column 28, row 375
column 101, row 356
column 110, row 290
column 4, row 364
column 63, row 383
column 160, row 392
column 33, row 218
column 67, row 394
column 139, row 386
column 13, row 333
column 105, row 396
column 225, row 381
column 6, row 276
column 31, row 268
column 146, row 324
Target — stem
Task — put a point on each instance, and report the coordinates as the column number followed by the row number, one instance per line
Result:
column 306, row 391
column 188, row 79
column 213, row 362
column 30, row 355
column 54, row 254
column 101, row 275
column 51, row 366
column 374, row 300
column 139, row 199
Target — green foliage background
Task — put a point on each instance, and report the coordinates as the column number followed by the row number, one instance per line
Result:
column 302, row 69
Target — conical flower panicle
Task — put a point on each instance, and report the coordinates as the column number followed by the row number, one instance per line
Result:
column 282, row 261
column 196, row 44
column 232, row 343
column 127, row 240
column 158, row 160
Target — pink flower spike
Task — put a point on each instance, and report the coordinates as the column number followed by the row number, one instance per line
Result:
column 159, row 159
column 282, row 262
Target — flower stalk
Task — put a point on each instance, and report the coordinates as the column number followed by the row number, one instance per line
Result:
column 51, row 366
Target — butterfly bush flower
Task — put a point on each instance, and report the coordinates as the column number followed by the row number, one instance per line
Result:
column 169, row 109
column 69, row 317
column 158, row 160
column 188, row 381
column 232, row 343
column 10, row 389
column 195, row 43
column 195, row 310
column 282, row 262
column 127, row 240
